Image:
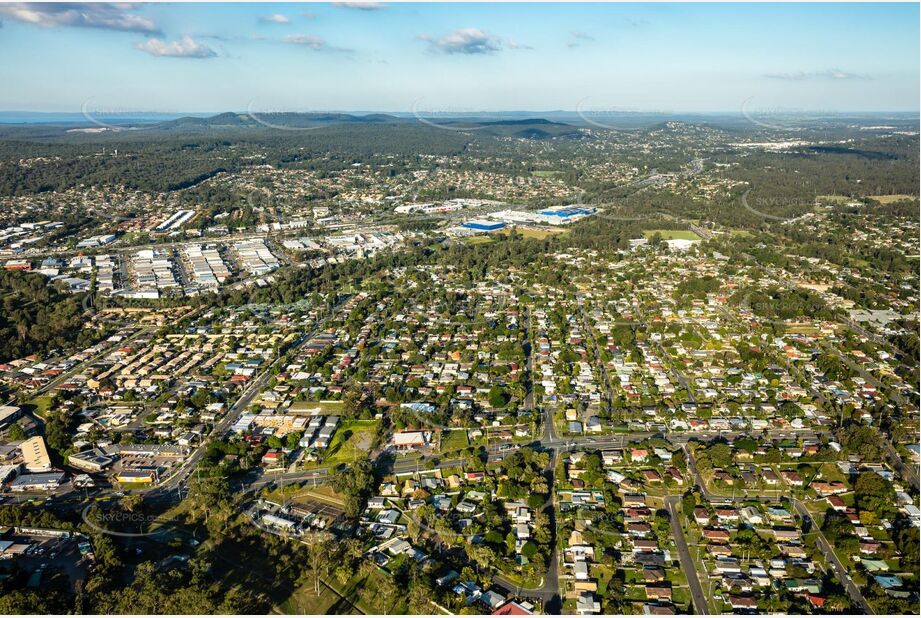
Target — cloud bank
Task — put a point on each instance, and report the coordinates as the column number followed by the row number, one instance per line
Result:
column 186, row 47
column 105, row 15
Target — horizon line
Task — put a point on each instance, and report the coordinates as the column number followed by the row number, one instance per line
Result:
column 778, row 112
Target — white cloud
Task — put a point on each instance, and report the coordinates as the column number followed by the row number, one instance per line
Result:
column 313, row 42
column 465, row 41
column 360, row 5
column 308, row 40
column 105, row 15
column 186, row 47
column 276, row 18
column 514, row 45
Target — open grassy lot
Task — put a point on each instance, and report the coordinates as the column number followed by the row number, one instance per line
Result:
column 535, row 233
column 40, row 404
column 317, row 407
column 352, row 441
column 836, row 199
column 544, row 173
column 306, row 495
column 453, row 440
column 739, row 233
column 305, row 601
column 370, row 594
column 478, row 240
column 672, row 234
column 888, row 199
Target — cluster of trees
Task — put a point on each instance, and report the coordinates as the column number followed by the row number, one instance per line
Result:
column 36, row 317
column 783, row 304
column 862, row 440
column 356, row 482
column 178, row 155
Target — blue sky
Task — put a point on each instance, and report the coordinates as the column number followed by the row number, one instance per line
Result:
column 454, row 58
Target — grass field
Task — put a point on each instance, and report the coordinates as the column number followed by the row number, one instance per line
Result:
column 888, row 199
column 478, row 240
column 538, row 234
column 837, row 199
column 453, row 440
column 41, row 404
column 295, row 494
column 740, row 233
column 318, row 407
column 305, row 601
column 545, row 173
column 351, row 441
column 672, row 234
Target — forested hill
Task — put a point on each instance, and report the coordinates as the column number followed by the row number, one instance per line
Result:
column 36, row 317
column 277, row 120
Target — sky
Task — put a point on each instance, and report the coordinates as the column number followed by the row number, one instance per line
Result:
column 456, row 57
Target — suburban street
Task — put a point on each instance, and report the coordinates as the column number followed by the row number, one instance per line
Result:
column 699, row 599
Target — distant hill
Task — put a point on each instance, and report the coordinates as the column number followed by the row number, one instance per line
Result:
column 526, row 128
column 277, row 120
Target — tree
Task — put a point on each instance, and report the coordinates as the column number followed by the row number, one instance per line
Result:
column 319, row 546
column 720, row 454
column 16, row 433
column 689, row 502
column 875, row 494
column 131, row 502
column 356, row 482
column 498, row 397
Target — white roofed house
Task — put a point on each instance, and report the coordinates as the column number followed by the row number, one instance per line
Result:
column 410, row 440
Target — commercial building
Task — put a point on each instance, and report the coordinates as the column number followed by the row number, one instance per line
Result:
column 565, row 214
column 8, row 415
column 48, row 481
column 35, row 455
column 93, row 460
column 483, row 225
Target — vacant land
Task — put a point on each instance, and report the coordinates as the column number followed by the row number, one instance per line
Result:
column 454, row 440
column 352, row 441
column 41, row 404
column 536, row 233
column 889, row 199
column 317, row 407
column 837, row 199
column 672, row 234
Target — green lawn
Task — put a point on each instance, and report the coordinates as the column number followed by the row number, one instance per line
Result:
column 350, row 442
column 545, row 173
column 837, row 199
column 672, row 234
column 453, row 440
column 41, row 404
column 320, row 407
column 305, row 601
column 535, row 233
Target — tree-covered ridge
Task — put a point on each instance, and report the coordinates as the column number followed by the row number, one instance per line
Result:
column 37, row 317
